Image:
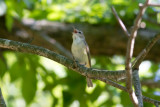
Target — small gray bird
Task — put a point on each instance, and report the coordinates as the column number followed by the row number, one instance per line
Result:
column 80, row 51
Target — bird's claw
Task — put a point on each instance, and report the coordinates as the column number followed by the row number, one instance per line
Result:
column 76, row 63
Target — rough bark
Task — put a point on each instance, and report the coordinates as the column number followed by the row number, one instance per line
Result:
column 137, row 87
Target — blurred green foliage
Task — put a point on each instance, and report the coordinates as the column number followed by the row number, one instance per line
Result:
column 88, row 11
column 33, row 81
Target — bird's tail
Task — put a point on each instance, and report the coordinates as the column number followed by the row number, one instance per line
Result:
column 89, row 82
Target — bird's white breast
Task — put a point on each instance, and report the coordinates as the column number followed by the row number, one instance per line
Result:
column 79, row 50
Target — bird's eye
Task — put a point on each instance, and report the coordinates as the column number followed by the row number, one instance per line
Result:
column 80, row 32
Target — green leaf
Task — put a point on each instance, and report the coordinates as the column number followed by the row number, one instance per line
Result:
column 9, row 22
column 125, row 99
column 3, row 68
column 29, row 85
column 16, row 71
column 67, row 98
column 96, row 93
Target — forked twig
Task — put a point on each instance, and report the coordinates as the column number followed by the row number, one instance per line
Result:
column 129, row 53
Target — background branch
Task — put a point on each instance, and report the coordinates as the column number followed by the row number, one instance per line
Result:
column 151, row 83
column 145, row 51
column 153, row 4
column 43, row 37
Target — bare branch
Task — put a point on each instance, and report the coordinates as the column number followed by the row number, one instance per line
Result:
column 137, row 87
column 120, row 22
column 129, row 53
column 145, row 51
column 146, row 99
column 154, row 5
column 138, row 57
column 151, row 83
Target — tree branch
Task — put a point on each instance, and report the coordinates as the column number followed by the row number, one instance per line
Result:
column 156, row 104
column 137, row 87
column 154, row 5
column 145, row 51
column 102, row 75
column 151, row 83
column 89, row 72
column 129, row 53
column 146, row 99
column 120, row 21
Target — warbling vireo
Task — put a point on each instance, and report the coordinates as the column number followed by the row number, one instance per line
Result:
column 80, row 51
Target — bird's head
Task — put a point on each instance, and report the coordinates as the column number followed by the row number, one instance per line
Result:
column 77, row 34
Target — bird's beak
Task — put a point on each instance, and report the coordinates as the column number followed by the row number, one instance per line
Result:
column 75, row 31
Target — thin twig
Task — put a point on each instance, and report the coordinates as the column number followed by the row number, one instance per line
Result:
column 151, row 83
column 138, row 57
column 120, row 21
column 150, row 100
column 145, row 51
column 129, row 53
column 154, row 5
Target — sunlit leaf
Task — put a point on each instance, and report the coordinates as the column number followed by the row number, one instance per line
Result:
column 3, row 68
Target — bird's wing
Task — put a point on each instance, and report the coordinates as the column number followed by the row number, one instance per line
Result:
column 88, row 54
